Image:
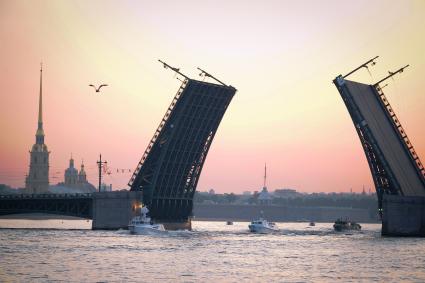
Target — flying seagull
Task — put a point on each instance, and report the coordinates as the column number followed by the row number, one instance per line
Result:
column 98, row 89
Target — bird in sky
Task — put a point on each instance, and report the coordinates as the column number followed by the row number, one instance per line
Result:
column 98, row 89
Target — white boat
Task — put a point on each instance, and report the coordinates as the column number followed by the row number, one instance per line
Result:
column 142, row 224
column 262, row 226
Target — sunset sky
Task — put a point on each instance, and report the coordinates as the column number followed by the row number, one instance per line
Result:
column 281, row 56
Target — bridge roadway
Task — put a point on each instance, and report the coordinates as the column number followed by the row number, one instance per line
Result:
column 408, row 177
column 109, row 210
column 397, row 171
column 79, row 205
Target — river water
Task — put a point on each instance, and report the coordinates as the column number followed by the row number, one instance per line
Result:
column 212, row 252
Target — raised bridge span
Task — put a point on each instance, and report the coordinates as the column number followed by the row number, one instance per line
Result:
column 169, row 170
column 397, row 172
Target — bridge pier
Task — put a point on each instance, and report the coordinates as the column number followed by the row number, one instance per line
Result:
column 403, row 216
column 113, row 210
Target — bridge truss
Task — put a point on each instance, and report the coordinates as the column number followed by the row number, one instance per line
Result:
column 396, row 168
column 78, row 205
column 169, row 169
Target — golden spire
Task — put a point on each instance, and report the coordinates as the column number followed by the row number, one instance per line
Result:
column 40, row 101
column 39, row 136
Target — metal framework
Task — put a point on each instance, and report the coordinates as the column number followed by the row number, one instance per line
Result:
column 383, row 175
column 169, row 169
column 400, row 131
column 79, row 205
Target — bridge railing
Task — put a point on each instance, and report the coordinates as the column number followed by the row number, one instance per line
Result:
column 45, row 196
column 157, row 132
column 402, row 134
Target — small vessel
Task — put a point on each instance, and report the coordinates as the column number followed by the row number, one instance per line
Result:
column 312, row 224
column 262, row 226
column 229, row 222
column 342, row 225
column 142, row 224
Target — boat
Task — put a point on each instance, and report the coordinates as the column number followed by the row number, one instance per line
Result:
column 229, row 222
column 143, row 224
column 342, row 225
column 262, row 226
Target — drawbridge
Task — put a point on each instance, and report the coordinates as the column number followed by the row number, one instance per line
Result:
column 170, row 167
column 396, row 168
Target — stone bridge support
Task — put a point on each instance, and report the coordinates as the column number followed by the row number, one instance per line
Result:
column 403, row 216
column 113, row 210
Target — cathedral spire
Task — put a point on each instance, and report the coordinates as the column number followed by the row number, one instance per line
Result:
column 82, row 171
column 37, row 180
column 39, row 136
column 71, row 162
column 40, row 102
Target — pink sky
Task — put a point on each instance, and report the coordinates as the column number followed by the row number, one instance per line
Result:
column 280, row 55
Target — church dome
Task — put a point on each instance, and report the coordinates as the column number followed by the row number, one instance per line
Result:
column 264, row 195
column 82, row 177
column 82, row 171
column 71, row 171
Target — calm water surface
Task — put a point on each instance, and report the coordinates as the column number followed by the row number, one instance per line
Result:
column 212, row 252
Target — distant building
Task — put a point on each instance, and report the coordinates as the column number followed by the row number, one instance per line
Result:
column 264, row 197
column 246, row 193
column 71, row 175
column 37, row 180
column 7, row 190
column 75, row 182
column 286, row 193
column 82, row 176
